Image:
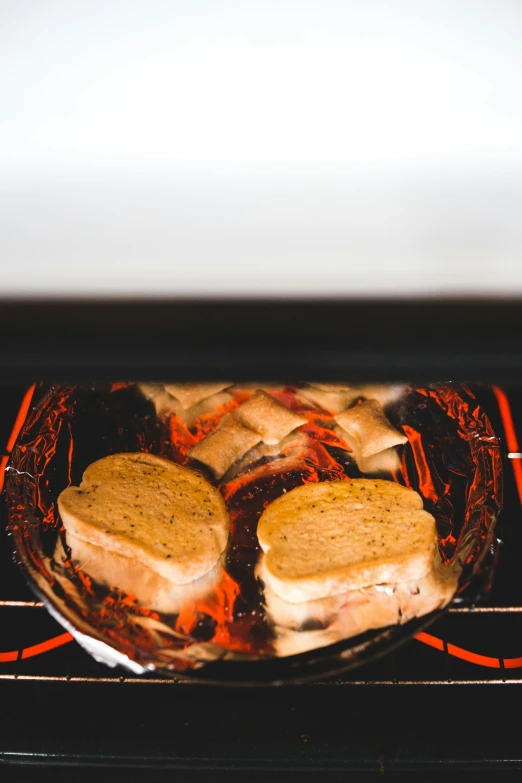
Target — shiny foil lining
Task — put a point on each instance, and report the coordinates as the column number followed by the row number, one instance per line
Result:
column 232, row 629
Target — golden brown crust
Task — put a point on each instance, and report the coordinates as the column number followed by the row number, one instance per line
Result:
column 328, row 538
column 145, row 507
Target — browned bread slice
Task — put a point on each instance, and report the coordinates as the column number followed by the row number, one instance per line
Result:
column 146, row 508
column 132, row 577
column 340, row 617
column 327, row 538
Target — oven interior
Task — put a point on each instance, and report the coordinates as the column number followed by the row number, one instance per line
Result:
column 461, row 673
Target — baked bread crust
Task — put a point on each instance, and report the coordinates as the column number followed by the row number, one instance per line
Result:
column 147, row 508
column 328, row 538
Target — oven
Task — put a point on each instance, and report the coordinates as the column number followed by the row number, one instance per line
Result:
column 297, row 191
column 462, row 674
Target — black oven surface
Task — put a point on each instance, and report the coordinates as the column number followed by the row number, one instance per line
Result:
column 197, row 339
column 441, row 701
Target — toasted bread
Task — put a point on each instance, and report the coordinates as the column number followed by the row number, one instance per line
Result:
column 327, row 538
column 311, row 624
column 127, row 574
column 146, row 508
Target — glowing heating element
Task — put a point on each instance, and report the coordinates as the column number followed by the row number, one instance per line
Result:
column 511, row 437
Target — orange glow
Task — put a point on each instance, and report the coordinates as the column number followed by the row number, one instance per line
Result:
column 471, row 657
column 182, row 438
column 511, row 435
column 220, row 606
column 50, row 644
column 20, row 417
column 3, row 464
column 425, row 481
column 232, row 615
column 512, row 663
column 8, row 656
column 432, row 641
column 17, row 426
column 468, row 655
column 507, row 419
column 70, row 454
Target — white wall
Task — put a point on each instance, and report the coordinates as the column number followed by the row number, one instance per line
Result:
column 350, row 147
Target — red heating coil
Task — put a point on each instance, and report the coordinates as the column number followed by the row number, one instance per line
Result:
column 17, row 426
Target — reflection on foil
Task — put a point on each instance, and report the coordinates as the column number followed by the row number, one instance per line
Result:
column 452, row 459
column 132, row 578
column 307, row 625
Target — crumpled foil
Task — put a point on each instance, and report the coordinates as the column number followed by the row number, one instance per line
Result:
column 228, row 627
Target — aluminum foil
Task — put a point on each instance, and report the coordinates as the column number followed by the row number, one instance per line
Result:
column 229, row 627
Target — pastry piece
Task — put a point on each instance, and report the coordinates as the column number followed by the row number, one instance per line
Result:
column 327, row 538
column 383, row 462
column 367, row 430
column 384, row 394
column 190, row 394
column 293, row 445
column 150, row 510
column 333, row 399
column 332, row 387
column 165, row 403
column 162, row 400
column 226, row 444
column 268, row 417
column 249, row 387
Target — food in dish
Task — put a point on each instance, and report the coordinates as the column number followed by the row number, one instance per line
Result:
column 148, row 510
column 225, row 445
column 385, row 394
column 132, row 578
column 328, row 538
column 367, row 430
column 189, row 394
column 268, row 417
column 385, row 461
column 228, row 613
column 308, row 625
column 330, row 397
column 260, row 418
column 165, row 403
